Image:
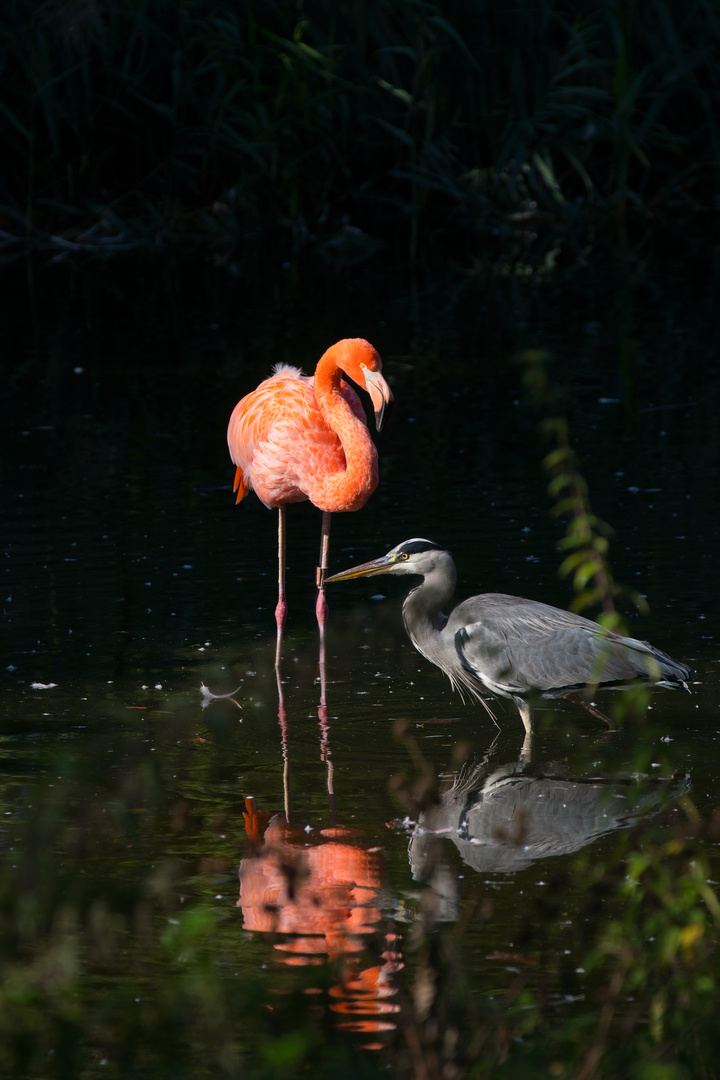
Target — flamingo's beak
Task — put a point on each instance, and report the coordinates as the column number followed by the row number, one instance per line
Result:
column 380, row 395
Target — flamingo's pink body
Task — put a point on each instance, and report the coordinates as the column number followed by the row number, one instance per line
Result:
column 286, row 452
column 296, row 438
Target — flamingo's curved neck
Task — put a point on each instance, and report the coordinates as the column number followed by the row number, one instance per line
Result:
column 328, row 375
column 351, row 488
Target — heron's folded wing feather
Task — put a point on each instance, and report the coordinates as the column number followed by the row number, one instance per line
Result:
column 522, row 645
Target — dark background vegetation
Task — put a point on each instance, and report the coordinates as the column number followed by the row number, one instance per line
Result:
column 198, row 122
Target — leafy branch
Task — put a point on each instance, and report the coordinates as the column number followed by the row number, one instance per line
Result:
column 587, row 537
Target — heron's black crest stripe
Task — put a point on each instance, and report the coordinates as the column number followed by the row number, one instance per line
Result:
column 414, row 547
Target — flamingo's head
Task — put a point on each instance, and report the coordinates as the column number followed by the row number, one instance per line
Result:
column 362, row 363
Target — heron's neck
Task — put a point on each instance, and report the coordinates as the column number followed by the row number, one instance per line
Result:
column 351, row 487
column 422, row 610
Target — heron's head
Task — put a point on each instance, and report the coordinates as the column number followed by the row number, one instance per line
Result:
column 362, row 363
column 415, row 556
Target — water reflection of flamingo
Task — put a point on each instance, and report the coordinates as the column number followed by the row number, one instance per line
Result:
column 296, row 438
column 322, row 892
column 515, row 648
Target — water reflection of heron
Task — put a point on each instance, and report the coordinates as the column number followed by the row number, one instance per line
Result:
column 296, row 438
column 515, row 648
column 501, row 820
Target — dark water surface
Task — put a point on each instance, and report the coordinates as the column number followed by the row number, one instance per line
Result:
column 130, row 580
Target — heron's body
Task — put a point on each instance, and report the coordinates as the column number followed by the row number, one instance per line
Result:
column 296, row 438
column 512, row 647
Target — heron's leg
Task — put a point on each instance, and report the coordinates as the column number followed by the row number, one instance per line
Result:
column 526, row 751
column 525, row 713
column 321, row 608
column 281, row 609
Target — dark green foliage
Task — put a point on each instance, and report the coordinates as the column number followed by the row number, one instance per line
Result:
column 126, row 115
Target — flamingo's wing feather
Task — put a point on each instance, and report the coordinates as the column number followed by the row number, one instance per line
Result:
column 279, row 440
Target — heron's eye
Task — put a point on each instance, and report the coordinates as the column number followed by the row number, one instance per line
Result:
column 404, row 555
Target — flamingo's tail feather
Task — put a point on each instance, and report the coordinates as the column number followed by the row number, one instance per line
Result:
column 240, row 485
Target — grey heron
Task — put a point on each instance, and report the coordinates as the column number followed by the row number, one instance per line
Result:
column 512, row 647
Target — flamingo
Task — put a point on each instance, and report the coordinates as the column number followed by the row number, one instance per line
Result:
column 297, row 437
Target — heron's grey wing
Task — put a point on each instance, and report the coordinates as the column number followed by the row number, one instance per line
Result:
column 515, row 645
column 485, row 651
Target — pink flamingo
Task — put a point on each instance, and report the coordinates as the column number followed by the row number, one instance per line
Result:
column 296, row 438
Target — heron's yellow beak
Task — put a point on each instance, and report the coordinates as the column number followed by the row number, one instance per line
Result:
column 380, row 395
column 383, row 565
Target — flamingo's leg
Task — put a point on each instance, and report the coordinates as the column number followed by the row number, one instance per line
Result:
column 281, row 609
column 321, row 607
